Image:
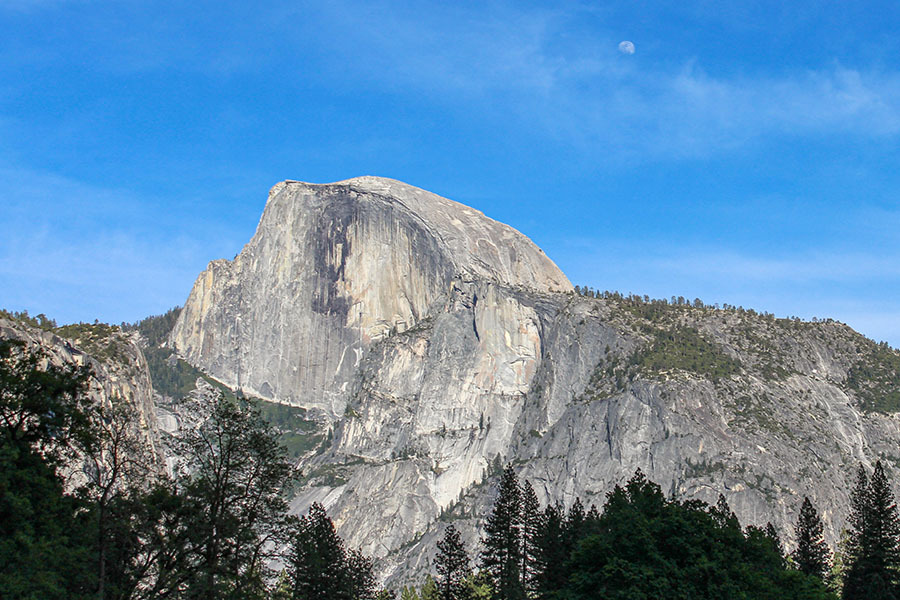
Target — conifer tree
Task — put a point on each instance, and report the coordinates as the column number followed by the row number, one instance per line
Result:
column 409, row 593
column 575, row 521
column 772, row 534
column 550, row 552
column 317, row 558
column 874, row 548
column 724, row 515
column 360, row 579
column 452, row 566
column 811, row 556
column 592, row 518
column 531, row 523
column 429, row 590
column 501, row 552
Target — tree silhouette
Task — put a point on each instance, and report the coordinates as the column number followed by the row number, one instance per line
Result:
column 811, row 556
column 452, row 566
column 501, row 553
column 874, row 548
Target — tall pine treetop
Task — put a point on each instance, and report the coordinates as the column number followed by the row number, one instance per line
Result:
column 811, row 556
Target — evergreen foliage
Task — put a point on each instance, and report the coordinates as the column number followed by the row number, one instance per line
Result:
column 685, row 349
column 429, row 590
column 643, row 545
column 649, row 547
column 40, row 321
column 320, row 567
column 501, row 557
column 550, row 552
column 876, row 378
column 772, row 534
column 156, row 328
column 531, row 524
column 452, row 566
column 871, row 570
column 811, row 556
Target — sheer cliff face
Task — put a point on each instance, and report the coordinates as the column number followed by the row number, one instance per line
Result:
column 332, row 269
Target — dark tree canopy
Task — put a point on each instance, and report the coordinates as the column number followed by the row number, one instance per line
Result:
column 452, row 566
column 649, row 547
column 550, row 552
column 501, row 556
column 811, row 556
column 871, row 572
column 43, row 407
column 46, row 542
column 320, row 567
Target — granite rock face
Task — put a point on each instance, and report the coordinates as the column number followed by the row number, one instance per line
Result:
column 439, row 344
column 332, row 269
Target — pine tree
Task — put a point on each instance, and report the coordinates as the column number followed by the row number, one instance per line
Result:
column 531, row 523
column 501, row 552
column 575, row 521
column 574, row 526
column 874, row 548
column 811, row 556
column 550, row 552
column 885, row 523
column 772, row 534
column 724, row 515
column 359, row 577
column 317, row 558
column 429, row 590
column 452, row 566
column 409, row 593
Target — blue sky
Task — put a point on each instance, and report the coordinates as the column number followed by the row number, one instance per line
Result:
column 746, row 153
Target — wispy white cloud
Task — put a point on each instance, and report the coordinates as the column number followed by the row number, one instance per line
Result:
column 535, row 65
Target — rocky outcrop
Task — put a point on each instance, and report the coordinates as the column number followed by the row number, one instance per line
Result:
column 441, row 344
column 120, row 373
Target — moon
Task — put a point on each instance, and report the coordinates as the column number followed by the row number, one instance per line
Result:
column 626, row 47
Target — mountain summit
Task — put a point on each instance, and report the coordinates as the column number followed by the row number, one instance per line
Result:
column 333, row 268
